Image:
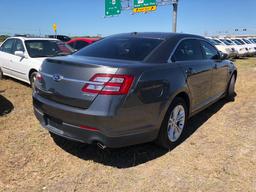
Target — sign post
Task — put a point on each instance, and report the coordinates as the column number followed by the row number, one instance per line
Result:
column 144, row 6
column 112, row 7
column 54, row 26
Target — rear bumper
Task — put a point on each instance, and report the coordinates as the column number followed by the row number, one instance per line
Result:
column 111, row 131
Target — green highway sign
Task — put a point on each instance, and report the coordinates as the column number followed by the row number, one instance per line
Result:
column 143, row 3
column 112, row 7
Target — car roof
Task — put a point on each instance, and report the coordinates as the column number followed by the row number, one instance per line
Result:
column 158, row 35
column 34, row 38
column 89, row 40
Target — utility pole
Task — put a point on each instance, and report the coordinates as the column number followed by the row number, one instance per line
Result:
column 174, row 15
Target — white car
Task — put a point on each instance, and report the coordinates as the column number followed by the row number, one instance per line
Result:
column 240, row 49
column 21, row 57
column 251, row 45
column 242, row 45
column 248, row 47
column 221, row 46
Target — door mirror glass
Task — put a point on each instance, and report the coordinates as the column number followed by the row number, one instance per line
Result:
column 20, row 54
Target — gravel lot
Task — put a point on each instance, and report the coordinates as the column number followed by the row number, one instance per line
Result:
column 219, row 154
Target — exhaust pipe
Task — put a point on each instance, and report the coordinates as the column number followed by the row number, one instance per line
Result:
column 100, row 145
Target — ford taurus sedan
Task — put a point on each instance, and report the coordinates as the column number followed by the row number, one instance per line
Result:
column 132, row 88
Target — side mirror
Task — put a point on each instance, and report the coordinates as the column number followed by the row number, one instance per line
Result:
column 223, row 56
column 20, row 54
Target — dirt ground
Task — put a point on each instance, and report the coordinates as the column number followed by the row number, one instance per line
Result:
column 218, row 154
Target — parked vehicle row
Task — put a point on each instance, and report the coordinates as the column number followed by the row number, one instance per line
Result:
column 235, row 47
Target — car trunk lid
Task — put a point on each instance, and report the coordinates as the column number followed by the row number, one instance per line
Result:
column 63, row 78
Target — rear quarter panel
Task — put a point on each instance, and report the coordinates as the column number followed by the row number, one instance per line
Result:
column 153, row 91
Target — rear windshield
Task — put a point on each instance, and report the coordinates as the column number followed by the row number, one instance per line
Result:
column 124, row 48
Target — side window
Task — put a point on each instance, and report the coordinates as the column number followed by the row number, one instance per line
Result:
column 72, row 45
column 188, row 50
column 18, row 46
column 7, row 46
column 209, row 51
column 81, row 44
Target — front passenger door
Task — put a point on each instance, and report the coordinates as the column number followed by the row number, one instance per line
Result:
column 220, row 69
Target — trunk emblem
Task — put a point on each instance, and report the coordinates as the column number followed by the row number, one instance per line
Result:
column 57, row 77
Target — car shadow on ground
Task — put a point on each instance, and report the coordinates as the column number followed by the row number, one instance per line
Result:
column 5, row 106
column 133, row 155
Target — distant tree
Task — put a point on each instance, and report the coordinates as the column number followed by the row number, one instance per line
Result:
column 3, row 37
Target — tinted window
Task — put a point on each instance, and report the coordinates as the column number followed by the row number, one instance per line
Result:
column 188, row 50
column 47, row 48
column 81, row 44
column 18, row 46
column 124, row 48
column 7, row 46
column 72, row 45
column 209, row 51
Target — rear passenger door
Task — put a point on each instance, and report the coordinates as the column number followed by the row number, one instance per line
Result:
column 220, row 69
column 18, row 64
column 197, row 71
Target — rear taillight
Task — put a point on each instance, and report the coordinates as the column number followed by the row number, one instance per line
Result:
column 109, row 84
column 39, row 77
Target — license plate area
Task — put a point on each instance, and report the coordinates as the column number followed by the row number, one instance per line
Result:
column 54, row 125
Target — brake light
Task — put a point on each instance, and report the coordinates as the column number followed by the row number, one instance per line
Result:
column 109, row 84
column 39, row 77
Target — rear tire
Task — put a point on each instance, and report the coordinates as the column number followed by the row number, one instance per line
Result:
column 231, row 88
column 1, row 74
column 32, row 79
column 174, row 124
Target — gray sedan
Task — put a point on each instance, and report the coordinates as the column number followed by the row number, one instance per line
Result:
column 132, row 88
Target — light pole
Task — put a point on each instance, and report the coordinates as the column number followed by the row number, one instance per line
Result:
column 174, row 15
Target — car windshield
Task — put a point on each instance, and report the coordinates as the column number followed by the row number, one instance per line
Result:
column 217, row 41
column 47, row 48
column 214, row 42
column 236, row 42
column 253, row 40
column 123, row 48
column 246, row 41
column 226, row 42
column 240, row 41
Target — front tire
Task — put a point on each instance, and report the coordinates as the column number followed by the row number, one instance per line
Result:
column 174, row 124
column 1, row 74
column 231, row 88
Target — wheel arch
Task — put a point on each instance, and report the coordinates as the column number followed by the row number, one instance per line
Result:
column 30, row 72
